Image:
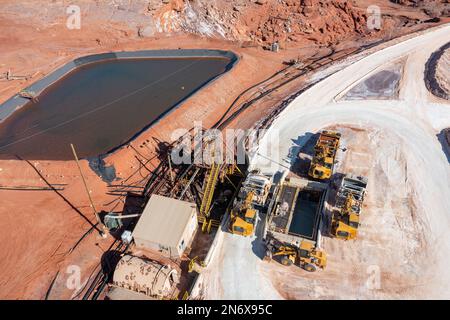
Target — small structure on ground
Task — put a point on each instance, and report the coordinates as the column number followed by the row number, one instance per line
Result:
column 134, row 277
column 167, row 225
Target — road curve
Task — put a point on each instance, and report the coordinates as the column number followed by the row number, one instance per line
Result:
column 414, row 118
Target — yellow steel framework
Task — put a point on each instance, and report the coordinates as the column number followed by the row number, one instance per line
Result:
column 217, row 172
column 207, row 224
column 209, row 190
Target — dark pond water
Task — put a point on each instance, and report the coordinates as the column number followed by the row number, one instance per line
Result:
column 101, row 106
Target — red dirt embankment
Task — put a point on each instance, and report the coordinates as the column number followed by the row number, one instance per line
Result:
column 41, row 228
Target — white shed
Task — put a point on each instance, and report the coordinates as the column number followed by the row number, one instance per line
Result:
column 167, row 225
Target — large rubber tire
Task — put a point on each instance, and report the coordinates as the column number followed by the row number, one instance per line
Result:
column 310, row 267
column 285, row 261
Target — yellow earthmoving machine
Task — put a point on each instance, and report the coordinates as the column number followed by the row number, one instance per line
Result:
column 259, row 185
column 306, row 256
column 345, row 222
column 350, row 196
column 324, row 155
column 243, row 217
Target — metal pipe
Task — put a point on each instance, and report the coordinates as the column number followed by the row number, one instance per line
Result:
column 124, row 216
column 189, row 183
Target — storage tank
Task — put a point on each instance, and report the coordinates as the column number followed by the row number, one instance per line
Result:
column 147, row 277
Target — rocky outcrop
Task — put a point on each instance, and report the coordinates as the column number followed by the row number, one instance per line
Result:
column 265, row 21
column 443, row 72
column 433, row 8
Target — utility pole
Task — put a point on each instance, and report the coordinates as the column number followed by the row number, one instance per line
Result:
column 102, row 233
column 170, row 168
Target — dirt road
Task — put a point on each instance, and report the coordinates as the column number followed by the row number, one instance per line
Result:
column 405, row 233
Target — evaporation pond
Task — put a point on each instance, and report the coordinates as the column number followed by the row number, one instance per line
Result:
column 100, row 106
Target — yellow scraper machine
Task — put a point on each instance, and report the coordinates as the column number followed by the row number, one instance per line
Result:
column 292, row 230
column 350, row 196
column 259, row 184
column 324, row 155
column 253, row 193
column 243, row 217
column 306, row 256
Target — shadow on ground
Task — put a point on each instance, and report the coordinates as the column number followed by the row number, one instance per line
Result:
column 444, row 139
column 109, row 261
column 301, row 153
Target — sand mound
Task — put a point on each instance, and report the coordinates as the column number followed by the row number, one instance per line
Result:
column 443, row 72
column 437, row 74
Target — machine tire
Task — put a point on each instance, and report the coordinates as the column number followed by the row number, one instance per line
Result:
column 310, row 267
column 285, row 261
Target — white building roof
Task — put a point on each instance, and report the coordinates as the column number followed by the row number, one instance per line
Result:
column 164, row 220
